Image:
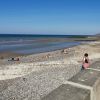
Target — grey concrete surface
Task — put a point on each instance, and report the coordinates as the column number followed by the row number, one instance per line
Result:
column 95, row 66
column 90, row 77
column 68, row 92
column 86, row 77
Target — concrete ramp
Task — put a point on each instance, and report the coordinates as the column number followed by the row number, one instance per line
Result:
column 83, row 86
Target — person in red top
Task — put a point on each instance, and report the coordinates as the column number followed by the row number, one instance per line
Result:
column 85, row 62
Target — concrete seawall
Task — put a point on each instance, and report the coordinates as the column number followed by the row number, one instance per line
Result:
column 83, row 86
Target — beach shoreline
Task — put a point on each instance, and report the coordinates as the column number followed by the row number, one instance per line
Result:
column 74, row 53
column 42, row 73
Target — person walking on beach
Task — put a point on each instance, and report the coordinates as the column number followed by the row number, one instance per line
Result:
column 85, row 62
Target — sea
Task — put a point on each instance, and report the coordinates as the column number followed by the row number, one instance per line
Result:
column 32, row 44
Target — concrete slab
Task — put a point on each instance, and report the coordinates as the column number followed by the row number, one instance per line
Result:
column 86, row 77
column 68, row 92
column 97, row 90
column 95, row 65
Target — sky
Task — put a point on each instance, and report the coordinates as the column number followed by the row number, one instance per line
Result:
column 50, row 16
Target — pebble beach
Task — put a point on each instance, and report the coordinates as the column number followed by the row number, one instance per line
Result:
column 34, row 76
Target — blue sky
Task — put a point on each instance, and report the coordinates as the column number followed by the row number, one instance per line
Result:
column 50, row 16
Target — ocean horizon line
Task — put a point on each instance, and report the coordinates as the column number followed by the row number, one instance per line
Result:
column 46, row 34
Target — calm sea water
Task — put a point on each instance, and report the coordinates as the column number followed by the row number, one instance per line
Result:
column 27, row 44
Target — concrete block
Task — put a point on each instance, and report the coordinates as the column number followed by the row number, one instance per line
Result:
column 86, row 77
column 95, row 66
column 68, row 92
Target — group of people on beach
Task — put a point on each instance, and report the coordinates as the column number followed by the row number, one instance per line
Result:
column 85, row 61
column 13, row 59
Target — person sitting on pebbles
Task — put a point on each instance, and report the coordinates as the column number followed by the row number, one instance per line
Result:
column 13, row 59
column 17, row 59
column 85, row 62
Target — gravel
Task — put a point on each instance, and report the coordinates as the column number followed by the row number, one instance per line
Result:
column 37, row 84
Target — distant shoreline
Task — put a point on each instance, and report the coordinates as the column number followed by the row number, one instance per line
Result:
column 44, row 39
column 42, row 56
column 9, row 54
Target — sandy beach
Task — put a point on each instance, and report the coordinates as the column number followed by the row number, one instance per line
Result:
column 34, row 76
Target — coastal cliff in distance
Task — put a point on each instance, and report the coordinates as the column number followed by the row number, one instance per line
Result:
column 94, row 37
column 98, row 34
